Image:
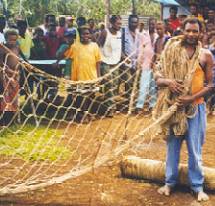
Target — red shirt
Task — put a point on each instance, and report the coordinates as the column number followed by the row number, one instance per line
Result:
column 174, row 23
column 52, row 45
column 60, row 31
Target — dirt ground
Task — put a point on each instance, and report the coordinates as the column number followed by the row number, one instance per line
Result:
column 105, row 186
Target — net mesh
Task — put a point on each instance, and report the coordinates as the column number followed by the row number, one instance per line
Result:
column 55, row 129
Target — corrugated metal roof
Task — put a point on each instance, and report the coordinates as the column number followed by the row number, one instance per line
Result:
column 143, row 19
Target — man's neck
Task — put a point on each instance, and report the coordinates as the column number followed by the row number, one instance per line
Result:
column 190, row 50
column 151, row 31
column 190, row 47
column 85, row 43
column 132, row 30
column 112, row 31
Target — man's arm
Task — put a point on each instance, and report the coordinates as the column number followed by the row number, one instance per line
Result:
column 172, row 84
column 60, row 55
column 98, row 68
column 102, row 38
column 207, row 64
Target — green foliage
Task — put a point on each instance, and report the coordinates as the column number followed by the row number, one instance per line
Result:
column 34, row 10
column 32, row 144
column 149, row 9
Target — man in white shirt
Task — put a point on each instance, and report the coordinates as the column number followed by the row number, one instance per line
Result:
column 110, row 43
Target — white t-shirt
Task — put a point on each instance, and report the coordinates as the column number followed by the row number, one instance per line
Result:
column 2, row 39
column 112, row 49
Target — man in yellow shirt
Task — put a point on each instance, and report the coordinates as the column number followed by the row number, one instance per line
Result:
column 24, row 39
column 25, row 44
column 194, row 12
column 86, row 59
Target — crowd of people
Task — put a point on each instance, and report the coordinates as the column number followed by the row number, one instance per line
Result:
column 92, row 51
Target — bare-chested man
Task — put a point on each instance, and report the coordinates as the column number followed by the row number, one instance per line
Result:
column 161, row 40
column 187, row 51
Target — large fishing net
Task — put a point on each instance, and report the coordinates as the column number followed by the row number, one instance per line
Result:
column 55, row 129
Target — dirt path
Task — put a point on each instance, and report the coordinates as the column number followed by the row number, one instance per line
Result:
column 106, row 187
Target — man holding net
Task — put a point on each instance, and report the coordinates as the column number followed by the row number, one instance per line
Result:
column 184, row 67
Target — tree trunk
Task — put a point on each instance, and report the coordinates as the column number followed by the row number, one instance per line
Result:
column 107, row 12
column 133, row 7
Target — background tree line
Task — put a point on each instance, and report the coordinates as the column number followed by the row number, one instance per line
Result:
column 34, row 10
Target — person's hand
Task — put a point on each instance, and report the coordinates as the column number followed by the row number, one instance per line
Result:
column 185, row 100
column 175, row 86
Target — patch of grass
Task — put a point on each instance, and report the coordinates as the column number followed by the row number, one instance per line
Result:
column 32, row 145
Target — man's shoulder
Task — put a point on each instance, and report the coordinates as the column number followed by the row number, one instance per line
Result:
column 206, row 55
column 104, row 32
column 206, row 58
column 94, row 44
column 64, row 46
column 205, row 51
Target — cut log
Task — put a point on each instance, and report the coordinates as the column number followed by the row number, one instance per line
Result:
column 154, row 170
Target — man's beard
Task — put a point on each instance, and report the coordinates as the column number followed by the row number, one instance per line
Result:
column 194, row 42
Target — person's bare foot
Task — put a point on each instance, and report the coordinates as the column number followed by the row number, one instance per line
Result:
column 165, row 190
column 202, row 196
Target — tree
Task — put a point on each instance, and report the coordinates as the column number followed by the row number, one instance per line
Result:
column 34, row 10
column 107, row 11
column 133, row 7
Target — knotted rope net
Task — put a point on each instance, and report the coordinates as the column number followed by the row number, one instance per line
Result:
column 55, row 129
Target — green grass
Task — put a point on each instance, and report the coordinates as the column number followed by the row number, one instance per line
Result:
column 32, row 146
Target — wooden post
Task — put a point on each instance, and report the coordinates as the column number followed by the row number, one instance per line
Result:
column 107, row 12
column 162, row 11
column 133, row 7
